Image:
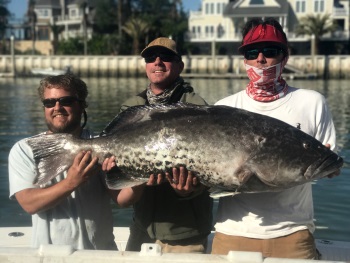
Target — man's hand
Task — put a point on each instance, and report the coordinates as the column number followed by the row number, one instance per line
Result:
column 183, row 181
column 82, row 168
column 108, row 164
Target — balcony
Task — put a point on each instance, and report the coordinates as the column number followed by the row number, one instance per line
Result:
column 234, row 37
column 340, row 12
column 68, row 18
column 213, row 36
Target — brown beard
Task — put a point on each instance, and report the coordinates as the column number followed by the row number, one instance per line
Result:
column 67, row 128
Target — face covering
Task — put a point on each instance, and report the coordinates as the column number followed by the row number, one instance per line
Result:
column 266, row 84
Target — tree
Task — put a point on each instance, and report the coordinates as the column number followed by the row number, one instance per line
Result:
column 56, row 31
column 32, row 19
column 4, row 14
column 71, row 46
column 83, row 5
column 136, row 28
column 105, row 18
column 316, row 26
column 166, row 18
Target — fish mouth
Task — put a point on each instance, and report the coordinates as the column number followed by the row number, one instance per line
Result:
column 324, row 167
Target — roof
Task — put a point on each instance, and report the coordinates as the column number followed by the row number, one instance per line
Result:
column 39, row 3
column 247, row 8
column 55, row 3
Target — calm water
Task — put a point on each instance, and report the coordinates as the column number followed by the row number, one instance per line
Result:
column 21, row 116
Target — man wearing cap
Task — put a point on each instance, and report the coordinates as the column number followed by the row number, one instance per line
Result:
column 176, row 214
column 277, row 224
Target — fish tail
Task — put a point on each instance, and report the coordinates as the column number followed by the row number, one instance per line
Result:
column 51, row 154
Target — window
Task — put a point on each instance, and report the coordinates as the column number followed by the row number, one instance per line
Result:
column 206, row 8
column 319, row 6
column 73, row 13
column 300, row 6
column 43, row 12
column 43, row 34
column 196, row 30
column 256, row 2
column 218, row 8
column 212, row 8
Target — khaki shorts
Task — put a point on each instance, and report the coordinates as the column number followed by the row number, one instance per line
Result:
column 300, row 244
column 191, row 245
column 198, row 247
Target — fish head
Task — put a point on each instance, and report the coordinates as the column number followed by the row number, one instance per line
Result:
column 292, row 158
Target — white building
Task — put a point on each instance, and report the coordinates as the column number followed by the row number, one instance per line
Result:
column 222, row 20
column 66, row 13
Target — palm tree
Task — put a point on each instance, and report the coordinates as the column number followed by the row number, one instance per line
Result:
column 32, row 19
column 83, row 7
column 316, row 26
column 4, row 14
column 136, row 28
column 56, row 31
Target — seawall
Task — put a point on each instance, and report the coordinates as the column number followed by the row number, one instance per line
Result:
column 203, row 66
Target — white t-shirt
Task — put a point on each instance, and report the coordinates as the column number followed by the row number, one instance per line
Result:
column 276, row 214
column 83, row 220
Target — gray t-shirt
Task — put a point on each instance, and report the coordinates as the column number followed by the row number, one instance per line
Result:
column 83, row 220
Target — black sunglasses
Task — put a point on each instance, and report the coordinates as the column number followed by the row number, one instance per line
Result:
column 268, row 52
column 163, row 57
column 63, row 101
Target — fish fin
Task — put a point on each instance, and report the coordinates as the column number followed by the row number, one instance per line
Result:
column 141, row 113
column 118, row 181
column 219, row 193
column 50, row 155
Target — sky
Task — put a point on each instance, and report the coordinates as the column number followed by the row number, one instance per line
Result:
column 18, row 7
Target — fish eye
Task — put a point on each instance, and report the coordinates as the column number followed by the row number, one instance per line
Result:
column 306, row 145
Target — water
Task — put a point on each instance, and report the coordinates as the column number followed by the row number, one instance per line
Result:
column 21, row 115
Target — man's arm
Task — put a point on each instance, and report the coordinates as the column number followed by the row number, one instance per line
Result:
column 183, row 182
column 34, row 200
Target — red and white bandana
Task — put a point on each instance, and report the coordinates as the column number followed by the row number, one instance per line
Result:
column 266, row 84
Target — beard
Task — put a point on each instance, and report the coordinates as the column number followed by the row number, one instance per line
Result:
column 67, row 127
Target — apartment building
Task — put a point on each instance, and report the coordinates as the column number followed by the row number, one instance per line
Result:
column 221, row 21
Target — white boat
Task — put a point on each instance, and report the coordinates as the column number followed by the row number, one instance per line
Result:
column 14, row 247
column 50, row 71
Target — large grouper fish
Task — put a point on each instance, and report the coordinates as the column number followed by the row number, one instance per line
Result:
column 228, row 149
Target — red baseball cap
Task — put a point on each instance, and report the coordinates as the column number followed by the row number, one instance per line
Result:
column 264, row 33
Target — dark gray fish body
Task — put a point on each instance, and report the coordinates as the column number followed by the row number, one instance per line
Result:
column 229, row 149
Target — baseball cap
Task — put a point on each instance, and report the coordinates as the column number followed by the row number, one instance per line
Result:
column 161, row 42
column 264, row 33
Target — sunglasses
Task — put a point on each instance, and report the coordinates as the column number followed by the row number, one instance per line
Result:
column 163, row 57
column 63, row 101
column 268, row 52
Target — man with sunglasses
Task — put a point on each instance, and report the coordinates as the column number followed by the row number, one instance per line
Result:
column 277, row 224
column 176, row 214
column 73, row 208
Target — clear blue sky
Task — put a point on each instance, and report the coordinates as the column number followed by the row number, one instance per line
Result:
column 18, row 7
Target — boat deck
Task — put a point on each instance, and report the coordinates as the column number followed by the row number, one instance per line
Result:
column 14, row 247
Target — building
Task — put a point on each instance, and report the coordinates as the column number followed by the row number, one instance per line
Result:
column 55, row 19
column 220, row 21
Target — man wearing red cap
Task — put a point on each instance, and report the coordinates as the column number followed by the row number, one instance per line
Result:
column 176, row 214
column 277, row 224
